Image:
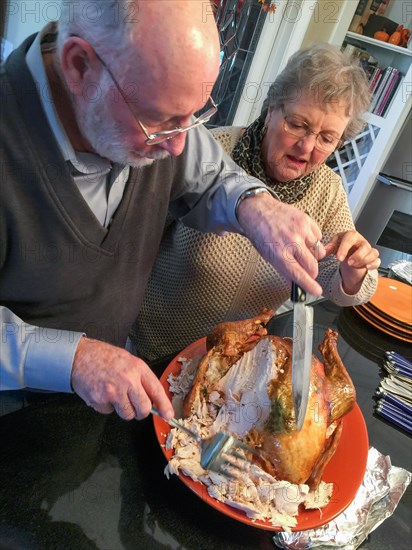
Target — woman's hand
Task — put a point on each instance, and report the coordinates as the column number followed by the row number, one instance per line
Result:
column 356, row 257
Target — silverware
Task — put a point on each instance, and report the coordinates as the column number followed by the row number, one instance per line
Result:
column 218, row 453
column 400, row 364
column 394, row 393
column 301, row 352
column 394, row 414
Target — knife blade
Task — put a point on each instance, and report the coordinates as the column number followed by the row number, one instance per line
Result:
column 301, row 352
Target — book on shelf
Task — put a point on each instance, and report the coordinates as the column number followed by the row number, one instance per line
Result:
column 375, row 79
column 383, row 82
column 385, row 88
column 391, row 93
column 377, row 94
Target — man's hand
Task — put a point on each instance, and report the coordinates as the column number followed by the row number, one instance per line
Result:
column 356, row 256
column 109, row 378
column 286, row 237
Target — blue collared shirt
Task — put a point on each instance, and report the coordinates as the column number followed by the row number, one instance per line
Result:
column 41, row 358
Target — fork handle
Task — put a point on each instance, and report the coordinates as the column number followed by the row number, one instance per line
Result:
column 175, row 424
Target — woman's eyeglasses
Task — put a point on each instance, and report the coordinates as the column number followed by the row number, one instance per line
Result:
column 298, row 127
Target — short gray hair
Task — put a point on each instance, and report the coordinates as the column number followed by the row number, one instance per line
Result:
column 100, row 22
column 329, row 75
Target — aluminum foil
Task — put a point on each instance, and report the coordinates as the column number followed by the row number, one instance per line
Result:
column 382, row 488
column 402, row 269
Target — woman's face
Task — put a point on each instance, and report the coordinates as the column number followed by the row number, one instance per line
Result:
column 288, row 157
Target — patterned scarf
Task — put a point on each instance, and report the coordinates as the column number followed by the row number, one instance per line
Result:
column 248, row 154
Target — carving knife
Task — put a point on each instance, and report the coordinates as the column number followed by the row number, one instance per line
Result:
column 301, row 352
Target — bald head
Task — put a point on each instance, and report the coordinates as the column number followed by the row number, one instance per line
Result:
column 176, row 48
column 169, row 45
column 175, row 23
column 162, row 56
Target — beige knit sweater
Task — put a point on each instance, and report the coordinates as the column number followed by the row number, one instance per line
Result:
column 201, row 279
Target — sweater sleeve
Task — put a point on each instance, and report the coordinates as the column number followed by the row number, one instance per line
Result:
column 331, row 281
column 338, row 219
column 28, row 355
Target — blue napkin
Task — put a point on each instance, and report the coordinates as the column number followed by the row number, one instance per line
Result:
column 394, row 395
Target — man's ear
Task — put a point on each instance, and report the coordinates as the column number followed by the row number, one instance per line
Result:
column 78, row 61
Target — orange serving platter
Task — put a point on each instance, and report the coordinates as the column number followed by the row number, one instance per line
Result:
column 383, row 326
column 394, row 299
column 370, row 310
column 345, row 470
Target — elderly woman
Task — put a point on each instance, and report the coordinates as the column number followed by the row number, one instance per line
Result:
column 200, row 279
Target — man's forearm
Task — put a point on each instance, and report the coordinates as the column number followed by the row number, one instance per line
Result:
column 35, row 357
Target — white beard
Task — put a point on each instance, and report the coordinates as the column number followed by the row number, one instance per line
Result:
column 108, row 139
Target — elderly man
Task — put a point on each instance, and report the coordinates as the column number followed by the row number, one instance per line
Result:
column 96, row 149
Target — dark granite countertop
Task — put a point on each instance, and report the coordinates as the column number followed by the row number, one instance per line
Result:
column 71, row 478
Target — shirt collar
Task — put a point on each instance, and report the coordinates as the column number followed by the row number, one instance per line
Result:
column 85, row 163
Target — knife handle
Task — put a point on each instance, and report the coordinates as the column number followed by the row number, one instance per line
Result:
column 297, row 293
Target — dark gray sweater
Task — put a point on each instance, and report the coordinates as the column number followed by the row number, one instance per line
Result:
column 59, row 267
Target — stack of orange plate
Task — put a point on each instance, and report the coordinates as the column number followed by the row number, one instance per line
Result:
column 390, row 309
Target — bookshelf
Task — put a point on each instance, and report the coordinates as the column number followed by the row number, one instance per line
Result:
column 360, row 160
column 378, row 44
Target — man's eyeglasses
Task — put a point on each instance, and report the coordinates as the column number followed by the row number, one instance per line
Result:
column 298, row 127
column 163, row 135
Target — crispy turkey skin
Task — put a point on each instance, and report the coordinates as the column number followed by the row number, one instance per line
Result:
column 247, row 376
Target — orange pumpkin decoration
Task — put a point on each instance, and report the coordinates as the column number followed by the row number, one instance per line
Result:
column 405, row 34
column 395, row 38
column 381, row 35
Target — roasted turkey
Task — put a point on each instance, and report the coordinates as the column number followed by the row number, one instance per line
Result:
column 245, row 382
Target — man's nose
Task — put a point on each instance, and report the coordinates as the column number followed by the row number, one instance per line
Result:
column 175, row 145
